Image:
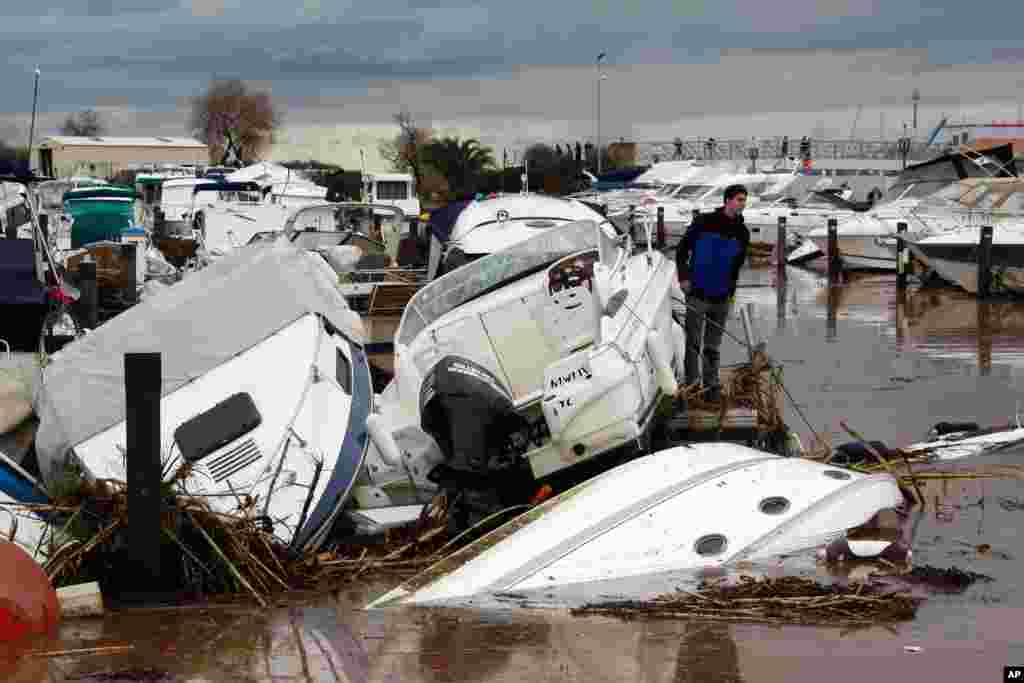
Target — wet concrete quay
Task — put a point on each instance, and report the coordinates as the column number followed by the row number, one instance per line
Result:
column 891, row 364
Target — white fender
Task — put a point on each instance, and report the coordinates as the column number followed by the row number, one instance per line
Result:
column 662, row 360
column 380, row 434
column 679, row 344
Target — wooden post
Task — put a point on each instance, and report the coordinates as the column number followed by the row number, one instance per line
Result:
column 130, row 258
column 901, row 248
column 830, row 321
column 780, row 252
column 985, row 263
column 833, row 251
column 89, row 299
column 142, row 380
column 662, row 237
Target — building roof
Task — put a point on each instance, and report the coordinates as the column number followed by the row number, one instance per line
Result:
column 107, row 141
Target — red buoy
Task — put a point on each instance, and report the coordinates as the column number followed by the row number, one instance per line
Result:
column 28, row 602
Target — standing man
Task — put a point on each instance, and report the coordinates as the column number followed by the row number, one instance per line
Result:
column 708, row 262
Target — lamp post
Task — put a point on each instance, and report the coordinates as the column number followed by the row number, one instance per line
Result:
column 600, row 77
column 915, row 97
column 32, row 125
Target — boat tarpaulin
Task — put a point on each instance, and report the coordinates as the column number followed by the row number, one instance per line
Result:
column 196, row 325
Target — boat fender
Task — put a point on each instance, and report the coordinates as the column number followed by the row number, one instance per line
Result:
column 679, row 344
column 943, row 428
column 382, row 438
column 662, row 360
column 846, row 550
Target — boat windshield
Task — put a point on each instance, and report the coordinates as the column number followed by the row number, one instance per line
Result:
column 916, row 190
column 692, row 191
column 484, row 274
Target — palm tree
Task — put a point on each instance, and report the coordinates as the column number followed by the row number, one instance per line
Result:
column 462, row 162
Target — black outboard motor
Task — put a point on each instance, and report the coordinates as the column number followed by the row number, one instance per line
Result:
column 471, row 416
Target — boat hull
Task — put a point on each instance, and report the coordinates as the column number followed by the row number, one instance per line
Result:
column 736, row 504
column 958, row 263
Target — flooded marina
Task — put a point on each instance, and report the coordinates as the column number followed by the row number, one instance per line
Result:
column 891, row 364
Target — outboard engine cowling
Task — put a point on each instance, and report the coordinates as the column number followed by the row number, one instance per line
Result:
column 468, row 411
column 471, row 416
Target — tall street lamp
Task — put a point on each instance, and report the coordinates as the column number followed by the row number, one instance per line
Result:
column 32, row 125
column 915, row 98
column 600, row 77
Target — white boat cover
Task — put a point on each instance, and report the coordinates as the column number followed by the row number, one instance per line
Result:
column 199, row 323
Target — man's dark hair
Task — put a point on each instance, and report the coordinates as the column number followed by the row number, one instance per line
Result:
column 734, row 190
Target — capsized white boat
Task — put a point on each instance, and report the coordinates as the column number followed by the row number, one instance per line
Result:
column 696, row 506
column 265, row 390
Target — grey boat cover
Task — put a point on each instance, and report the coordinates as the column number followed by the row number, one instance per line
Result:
column 196, row 325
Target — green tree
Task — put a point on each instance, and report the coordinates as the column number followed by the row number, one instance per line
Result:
column 461, row 162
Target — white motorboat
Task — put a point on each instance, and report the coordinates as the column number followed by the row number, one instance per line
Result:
column 487, row 226
column 954, row 256
column 380, row 260
column 692, row 507
column 523, row 363
column 270, row 404
column 680, row 206
column 943, row 194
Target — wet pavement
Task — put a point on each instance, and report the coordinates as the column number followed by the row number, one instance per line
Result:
column 890, row 364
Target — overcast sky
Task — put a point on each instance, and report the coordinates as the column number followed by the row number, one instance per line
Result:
column 520, row 70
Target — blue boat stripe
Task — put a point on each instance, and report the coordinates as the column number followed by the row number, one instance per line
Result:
column 350, row 457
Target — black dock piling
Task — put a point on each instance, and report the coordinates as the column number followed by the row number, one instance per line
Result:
column 89, row 299
column 142, row 380
column 902, row 266
column 834, row 265
column 130, row 254
column 660, row 235
column 985, row 263
column 780, row 252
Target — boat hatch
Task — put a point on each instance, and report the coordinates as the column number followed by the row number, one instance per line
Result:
column 220, row 425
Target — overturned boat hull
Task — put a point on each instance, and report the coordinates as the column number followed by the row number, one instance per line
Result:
column 687, row 508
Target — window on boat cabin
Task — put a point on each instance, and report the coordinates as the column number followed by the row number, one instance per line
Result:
column 392, row 189
column 343, row 372
column 691, row 191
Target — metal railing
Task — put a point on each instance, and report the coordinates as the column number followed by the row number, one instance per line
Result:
column 771, row 148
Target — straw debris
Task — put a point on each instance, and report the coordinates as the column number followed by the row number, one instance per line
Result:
column 786, row 600
column 215, row 553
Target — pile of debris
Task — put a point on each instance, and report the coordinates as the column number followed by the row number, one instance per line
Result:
column 786, row 600
column 218, row 553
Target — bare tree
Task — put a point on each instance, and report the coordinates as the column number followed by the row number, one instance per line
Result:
column 86, row 123
column 405, row 151
column 234, row 121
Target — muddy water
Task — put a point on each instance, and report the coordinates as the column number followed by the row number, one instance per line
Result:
column 891, row 364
